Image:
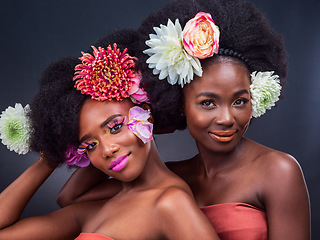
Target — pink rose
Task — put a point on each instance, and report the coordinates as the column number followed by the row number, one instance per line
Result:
column 137, row 94
column 201, row 36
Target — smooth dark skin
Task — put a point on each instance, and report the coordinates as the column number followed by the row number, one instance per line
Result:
column 152, row 202
column 239, row 170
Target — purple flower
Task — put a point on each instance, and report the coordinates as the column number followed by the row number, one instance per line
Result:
column 74, row 158
column 138, row 123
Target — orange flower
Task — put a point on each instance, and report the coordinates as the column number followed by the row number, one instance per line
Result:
column 201, row 36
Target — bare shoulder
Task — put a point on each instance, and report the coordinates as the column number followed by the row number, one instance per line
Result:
column 283, row 191
column 175, row 197
column 279, row 173
column 276, row 163
column 180, row 218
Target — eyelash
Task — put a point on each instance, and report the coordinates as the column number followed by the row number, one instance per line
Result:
column 209, row 103
column 87, row 146
column 112, row 127
column 115, row 126
column 243, row 101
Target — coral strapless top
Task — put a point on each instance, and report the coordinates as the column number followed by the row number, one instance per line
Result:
column 239, row 221
column 92, row 236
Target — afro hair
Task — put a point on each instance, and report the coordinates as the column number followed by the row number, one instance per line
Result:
column 243, row 29
column 55, row 108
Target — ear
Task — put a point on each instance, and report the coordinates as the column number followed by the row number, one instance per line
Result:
column 147, row 107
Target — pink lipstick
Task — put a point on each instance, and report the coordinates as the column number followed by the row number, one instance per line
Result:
column 119, row 163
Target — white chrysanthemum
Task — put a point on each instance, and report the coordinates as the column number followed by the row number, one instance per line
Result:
column 168, row 57
column 15, row 128
column 265, row 90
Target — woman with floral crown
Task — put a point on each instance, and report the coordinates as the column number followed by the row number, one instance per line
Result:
column 228, row 69
column 212, row 66
column 95, row 111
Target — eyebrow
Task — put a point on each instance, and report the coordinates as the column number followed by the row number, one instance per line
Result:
column 243, row 91
column 214, row 95
column 109, row 119
column 207, row 94
column 102, row 125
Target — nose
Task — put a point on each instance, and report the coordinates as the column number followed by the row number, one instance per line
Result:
column 109, row 148
column 225, row 116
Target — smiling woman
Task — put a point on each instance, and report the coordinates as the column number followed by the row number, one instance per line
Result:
column 221, row 95
column 101, row 115
column 233, row 72
column 212, row 66
column 105, row 135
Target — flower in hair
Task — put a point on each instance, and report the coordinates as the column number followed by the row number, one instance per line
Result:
column 74, row 158
column 106, row 75
column 265, row 90
column 137, row 94
column 201, row 36
column 138, row 123
column 168, row 58
column 174, row 54
column 15, row 128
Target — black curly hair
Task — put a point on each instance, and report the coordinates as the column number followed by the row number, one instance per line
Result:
column 55, row 108
column 245, row 35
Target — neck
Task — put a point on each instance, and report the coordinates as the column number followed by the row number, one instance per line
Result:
column 153, row 174
column 212, row 162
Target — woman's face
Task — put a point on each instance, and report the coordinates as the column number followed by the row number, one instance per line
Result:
column 110, row 145
column 218, row 106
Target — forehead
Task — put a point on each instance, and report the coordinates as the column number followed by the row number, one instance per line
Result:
column 221, row 76
column 97, row 111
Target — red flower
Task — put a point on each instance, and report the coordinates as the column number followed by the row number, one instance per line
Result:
column 106, row 75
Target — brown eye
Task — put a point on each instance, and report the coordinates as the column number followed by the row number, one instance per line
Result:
column 92, row 145
column 116, row 128
column 240, row 101
column 116, row 124
column 208, row 103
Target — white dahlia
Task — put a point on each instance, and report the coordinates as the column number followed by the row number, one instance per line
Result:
column 168, row 57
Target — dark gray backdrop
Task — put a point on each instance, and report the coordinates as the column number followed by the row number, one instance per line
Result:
column 34, row 33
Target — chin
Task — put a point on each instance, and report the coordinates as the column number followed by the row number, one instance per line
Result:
column 221, row 148
column 128, row 177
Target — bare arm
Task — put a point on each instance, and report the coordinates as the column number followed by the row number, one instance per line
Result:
column 87, row 184
column 286, row 200
column 14, row 199
column 180, row 217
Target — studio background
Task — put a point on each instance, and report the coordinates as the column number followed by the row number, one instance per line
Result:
column 34, row 33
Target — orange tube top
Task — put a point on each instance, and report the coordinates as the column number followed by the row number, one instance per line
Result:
column 239, row 221
column 92, row 236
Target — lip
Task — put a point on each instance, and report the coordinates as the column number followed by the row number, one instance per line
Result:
column 222, row 136
column 118, row 164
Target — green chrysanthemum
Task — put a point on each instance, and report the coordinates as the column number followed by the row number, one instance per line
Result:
column 15, row 128
column 265, row 90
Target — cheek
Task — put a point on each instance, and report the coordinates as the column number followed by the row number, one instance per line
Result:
column 196, row 117
column 129, row 138
column 246, row 114
column 197, row 124
column 243, row 118
column 94, row 158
